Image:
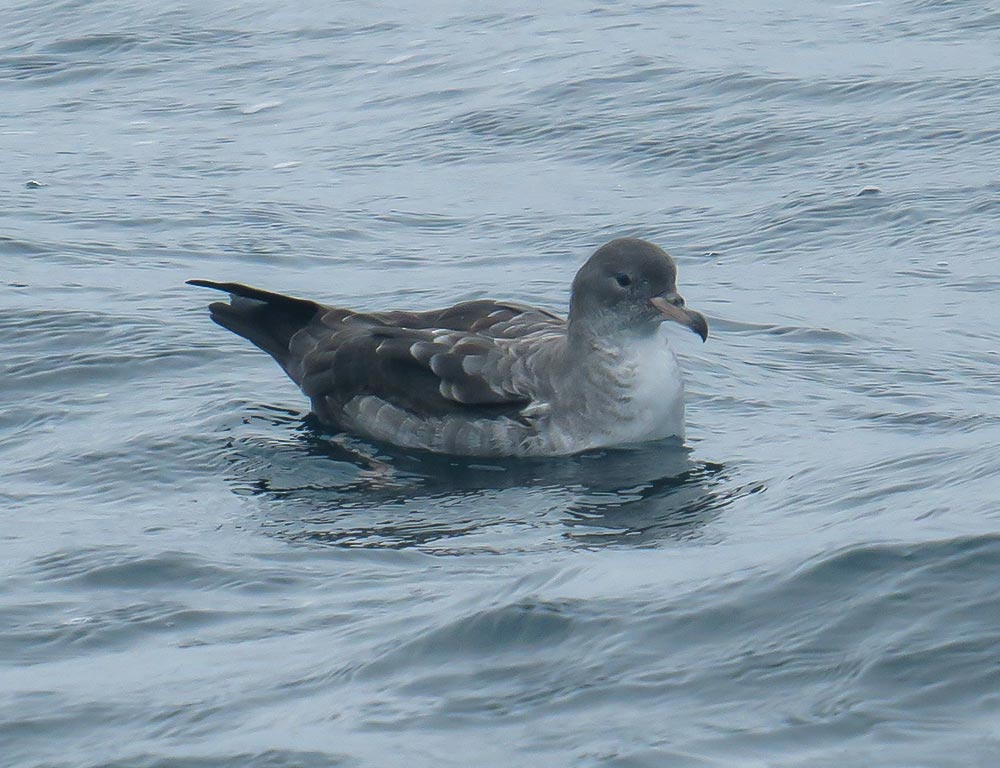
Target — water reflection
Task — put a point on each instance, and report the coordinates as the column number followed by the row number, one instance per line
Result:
column 337, row 490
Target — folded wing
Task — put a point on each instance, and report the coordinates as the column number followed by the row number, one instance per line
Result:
column 456, row 361
column 471, row 360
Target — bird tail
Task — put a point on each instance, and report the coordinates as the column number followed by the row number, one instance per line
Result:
column 267, row 319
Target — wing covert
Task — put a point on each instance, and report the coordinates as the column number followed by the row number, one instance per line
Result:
column 427, row 372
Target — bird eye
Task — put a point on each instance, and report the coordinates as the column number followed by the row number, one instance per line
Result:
column 623, row 280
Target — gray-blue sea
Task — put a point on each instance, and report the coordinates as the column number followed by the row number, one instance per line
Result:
column 192, row 574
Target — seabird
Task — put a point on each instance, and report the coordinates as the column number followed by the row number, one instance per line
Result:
column 486, row 377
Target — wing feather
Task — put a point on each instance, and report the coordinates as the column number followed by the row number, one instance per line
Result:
column 453, row 361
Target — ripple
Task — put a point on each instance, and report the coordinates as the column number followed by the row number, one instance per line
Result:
column 114, row 568
column 510, row 629
column 97, row 43
column 33, row 638
column 271, row 758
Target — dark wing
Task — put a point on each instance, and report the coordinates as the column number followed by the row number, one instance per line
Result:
column 457, row 360
column 486, row 317
column 424, row 371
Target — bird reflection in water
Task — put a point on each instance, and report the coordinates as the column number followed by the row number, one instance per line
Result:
column 341, row 491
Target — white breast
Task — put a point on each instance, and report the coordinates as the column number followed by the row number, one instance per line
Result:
column 648, row 403
column 656, row 393
column 659, row 387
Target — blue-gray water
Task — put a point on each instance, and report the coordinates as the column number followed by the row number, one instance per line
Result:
column 192, row 575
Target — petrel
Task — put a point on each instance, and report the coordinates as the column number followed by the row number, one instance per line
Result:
column 486, row 377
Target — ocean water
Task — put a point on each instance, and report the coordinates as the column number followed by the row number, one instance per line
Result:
column 192, row 574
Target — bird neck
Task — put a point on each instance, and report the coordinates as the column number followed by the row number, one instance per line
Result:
column 603, row 337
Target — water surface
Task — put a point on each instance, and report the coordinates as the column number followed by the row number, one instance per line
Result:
column 195, row 575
